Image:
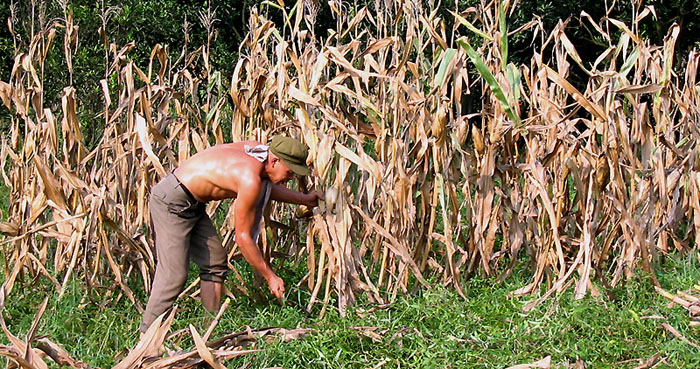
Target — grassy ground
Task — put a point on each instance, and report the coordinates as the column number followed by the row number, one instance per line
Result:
column 434, row 329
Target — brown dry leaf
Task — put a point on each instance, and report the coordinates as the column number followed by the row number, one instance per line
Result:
column 150, row 343
column 22, row 352
column 12, row 354
column 51, row 186
column 5, row 93
column 146, row 143
column 545, row 363
column 678, row 335
column 377, row 45
column 650, row 362
column 59, row 355
column 594, row 109
column 646, row 89
column 9, row 228
column 294, row 334
column 371, row 332
column 396, row 247
column 303, row 97
column 203, row 351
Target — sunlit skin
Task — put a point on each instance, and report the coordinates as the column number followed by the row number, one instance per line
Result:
column 226, row 171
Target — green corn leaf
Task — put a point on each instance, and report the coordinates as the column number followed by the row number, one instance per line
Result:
column 440, row 186
column 288, row 23
column 625, row 69
column 470, row 26
column 213, row 111
column 490, row 79
column 277, row 35
column 629, row 63
column 513, row 74
column 622, row 45
column 669, row 47
column 447, row 57
column 214, row 81
column 503, row 29
column 270, row 3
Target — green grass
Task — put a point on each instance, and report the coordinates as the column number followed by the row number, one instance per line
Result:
column 4, row 200
column 434, row 329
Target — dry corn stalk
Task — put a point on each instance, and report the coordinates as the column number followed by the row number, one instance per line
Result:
column 689, row 300
column 588, row 181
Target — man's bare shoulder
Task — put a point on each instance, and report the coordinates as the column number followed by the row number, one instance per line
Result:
column 235, row 146
column 222, row 171
column 232, row 153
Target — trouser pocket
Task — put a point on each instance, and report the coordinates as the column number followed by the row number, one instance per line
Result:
column 188, row 211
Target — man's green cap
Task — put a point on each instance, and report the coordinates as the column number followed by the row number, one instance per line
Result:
column 292, row 152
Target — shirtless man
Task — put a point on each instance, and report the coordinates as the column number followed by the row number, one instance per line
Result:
column 247, row 171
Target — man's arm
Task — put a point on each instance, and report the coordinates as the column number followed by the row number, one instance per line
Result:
column 244, row 207
column 280, row 192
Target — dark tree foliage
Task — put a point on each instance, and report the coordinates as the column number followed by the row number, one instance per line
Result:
column 144, row 22
column 6, row 48
column 589, row 44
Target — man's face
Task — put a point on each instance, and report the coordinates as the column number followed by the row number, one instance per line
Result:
column 280, row 173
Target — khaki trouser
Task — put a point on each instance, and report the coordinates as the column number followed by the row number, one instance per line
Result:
column 183, row 232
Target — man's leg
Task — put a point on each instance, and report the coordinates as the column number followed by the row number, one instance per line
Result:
column 209, row 254
column 168, row 282
column 172, row 244
column 211, row 295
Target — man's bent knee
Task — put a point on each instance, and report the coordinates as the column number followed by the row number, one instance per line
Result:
column 218, row 277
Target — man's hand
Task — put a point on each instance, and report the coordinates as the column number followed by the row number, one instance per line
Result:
column 276, row 285
column 312, row 199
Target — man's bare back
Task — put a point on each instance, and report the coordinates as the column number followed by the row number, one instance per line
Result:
column 215, row 173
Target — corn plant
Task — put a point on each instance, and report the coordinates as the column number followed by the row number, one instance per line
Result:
column 578, row 182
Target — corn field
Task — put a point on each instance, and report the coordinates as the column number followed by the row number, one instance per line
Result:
column 574, row 185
